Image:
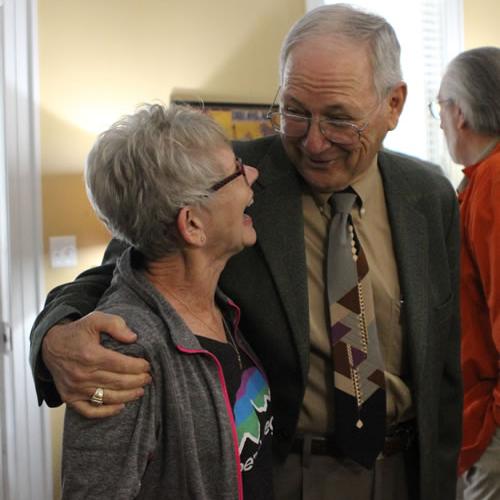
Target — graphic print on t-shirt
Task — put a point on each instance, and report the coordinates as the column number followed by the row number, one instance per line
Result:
column 252, row 415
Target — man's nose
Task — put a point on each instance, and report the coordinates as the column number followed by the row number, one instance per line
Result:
column 314, row 141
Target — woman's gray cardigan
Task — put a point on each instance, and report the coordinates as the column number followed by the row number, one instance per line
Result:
column 179, row 440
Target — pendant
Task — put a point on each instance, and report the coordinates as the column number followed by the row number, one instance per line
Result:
column 359, row 423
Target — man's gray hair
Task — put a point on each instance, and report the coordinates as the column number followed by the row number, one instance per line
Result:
column 345, row 21
column 472, row 82
column 147, row 166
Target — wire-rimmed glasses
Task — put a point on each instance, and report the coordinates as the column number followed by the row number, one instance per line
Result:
column 435, row 107
column 290, row 124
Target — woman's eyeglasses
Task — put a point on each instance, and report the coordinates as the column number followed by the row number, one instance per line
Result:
column 240, row 170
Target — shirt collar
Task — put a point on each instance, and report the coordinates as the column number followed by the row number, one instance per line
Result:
column 469, row 170
column 364, row 187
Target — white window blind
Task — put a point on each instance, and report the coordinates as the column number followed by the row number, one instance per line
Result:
column 430, row 33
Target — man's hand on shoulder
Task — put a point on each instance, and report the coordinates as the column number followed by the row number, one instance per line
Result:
column 79, row 364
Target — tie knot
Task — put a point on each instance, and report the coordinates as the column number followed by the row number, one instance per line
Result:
column 342, row 202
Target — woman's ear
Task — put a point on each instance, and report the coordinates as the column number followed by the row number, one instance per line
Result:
column 397, row 99
column 190, row 226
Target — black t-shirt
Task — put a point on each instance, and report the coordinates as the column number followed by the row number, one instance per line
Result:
column 250, row 399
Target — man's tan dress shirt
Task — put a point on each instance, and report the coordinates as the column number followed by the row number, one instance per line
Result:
column 372, row 226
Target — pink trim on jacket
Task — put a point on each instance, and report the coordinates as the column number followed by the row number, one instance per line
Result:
column 228, row 409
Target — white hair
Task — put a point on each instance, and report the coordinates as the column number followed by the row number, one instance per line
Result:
column 472, row 82
column 147, row 166
column 345, row 21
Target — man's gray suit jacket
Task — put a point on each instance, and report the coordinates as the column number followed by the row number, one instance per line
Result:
column 269, row 282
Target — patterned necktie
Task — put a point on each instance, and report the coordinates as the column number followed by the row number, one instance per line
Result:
column 358, row 368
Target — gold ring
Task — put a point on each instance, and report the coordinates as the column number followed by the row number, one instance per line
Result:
column 97, row 398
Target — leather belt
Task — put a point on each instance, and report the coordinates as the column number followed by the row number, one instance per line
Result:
column 398, row 439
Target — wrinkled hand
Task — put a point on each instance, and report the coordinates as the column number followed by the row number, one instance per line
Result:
column 79, row 364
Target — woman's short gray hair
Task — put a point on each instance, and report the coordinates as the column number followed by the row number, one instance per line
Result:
column 472, row 82
column 342, row 20
column 147, row 166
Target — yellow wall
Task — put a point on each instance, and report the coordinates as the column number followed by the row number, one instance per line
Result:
column 481, row 23
column 99, row 59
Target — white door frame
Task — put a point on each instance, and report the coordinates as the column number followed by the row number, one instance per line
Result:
column 26, row 469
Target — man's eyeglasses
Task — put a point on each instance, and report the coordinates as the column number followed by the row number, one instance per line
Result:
column 294, row 125
column 240, row 170
column 435, row 107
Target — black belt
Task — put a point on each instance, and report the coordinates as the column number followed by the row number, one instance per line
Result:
column 398, row 439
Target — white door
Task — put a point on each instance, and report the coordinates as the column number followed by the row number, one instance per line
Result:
column 25, row 468
column 3, row 325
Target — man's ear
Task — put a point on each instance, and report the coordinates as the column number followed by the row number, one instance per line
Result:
column 396, row 101
column 460, row 118
column 190, row 226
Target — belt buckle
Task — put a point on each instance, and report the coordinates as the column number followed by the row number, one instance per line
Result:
column 400, row 439
column 408, row 433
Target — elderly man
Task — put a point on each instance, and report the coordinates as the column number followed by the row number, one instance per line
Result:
column 349, row 296
column 470, row 119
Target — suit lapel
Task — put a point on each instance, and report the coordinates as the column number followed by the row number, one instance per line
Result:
column 409, row 234
column 278, row 220
column 279, row 223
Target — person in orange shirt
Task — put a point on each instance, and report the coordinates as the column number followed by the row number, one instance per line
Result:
column 470, row 118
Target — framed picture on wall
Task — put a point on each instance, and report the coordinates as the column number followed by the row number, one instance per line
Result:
column 241, row 121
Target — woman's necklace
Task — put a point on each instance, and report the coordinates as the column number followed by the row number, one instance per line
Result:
column 227, row 330
column 194, row 315
column 232, row 342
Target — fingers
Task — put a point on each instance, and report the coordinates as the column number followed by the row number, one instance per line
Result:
column 112, row 397
column 111, row 380
column 101, row 358
column 88, row 410
column 121, row 389
column 72, row 393
column 78, row 364
column 112, row 403
column 113, row 325
column 102, row 367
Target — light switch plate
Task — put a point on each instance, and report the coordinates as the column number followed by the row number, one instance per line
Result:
column 63, row 251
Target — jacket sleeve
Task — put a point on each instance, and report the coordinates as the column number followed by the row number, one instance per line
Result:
column 70, row 301
column 451, row 394
column 485, row 240
column 107, row 458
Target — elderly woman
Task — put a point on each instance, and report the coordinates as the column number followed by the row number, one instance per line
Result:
column 470, row 118
column 166, row 181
